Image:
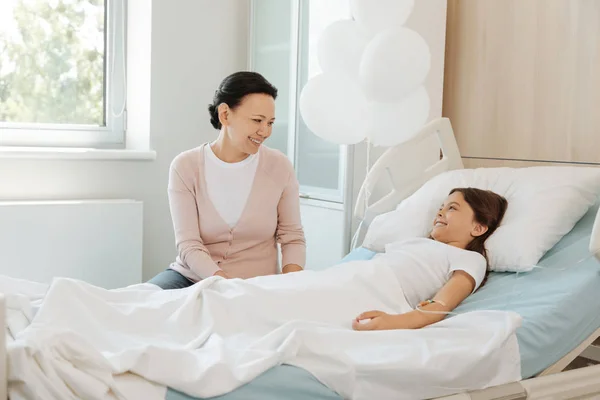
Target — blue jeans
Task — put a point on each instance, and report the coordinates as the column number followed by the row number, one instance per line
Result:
column 170, row 279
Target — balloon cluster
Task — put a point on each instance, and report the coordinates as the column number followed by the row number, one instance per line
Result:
column 373, row 71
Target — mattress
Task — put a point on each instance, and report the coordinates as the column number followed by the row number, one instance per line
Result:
column 559, row 304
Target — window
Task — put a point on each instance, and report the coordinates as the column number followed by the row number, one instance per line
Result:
column 271, row 55
column 283, row 48
column 62, row 73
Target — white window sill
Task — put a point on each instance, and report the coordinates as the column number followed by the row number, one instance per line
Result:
column 321, row 203
column 65, row 153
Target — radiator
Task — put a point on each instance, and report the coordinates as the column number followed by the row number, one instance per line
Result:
column 97, row 241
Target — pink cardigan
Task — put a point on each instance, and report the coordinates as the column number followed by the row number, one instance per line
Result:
column 206, row 244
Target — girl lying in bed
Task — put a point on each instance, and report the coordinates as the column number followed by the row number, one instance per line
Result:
column 445, row 268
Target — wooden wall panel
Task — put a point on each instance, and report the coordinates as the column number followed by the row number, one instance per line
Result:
column 522, row 78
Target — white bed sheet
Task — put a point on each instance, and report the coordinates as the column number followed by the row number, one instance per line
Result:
column 215, row 336
column 23, row 299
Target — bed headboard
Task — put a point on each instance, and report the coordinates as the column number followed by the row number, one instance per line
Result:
column 407, row 176
column 405, row 179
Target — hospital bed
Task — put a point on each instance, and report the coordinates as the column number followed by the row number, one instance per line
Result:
column 559, row 303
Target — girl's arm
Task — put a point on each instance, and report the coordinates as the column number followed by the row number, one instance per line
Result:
column 458, row 288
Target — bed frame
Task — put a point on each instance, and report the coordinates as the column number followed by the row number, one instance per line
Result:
column 581, row 383
column 551, row 382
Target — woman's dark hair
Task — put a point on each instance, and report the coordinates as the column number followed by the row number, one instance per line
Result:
column 489, row 209
column 234, row 88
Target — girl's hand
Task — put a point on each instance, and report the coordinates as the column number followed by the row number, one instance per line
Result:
column 375, row 320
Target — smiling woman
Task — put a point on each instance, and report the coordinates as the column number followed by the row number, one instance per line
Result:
column 234, row 199
column 243, row 110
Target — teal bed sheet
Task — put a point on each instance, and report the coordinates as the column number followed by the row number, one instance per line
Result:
column 559, row 303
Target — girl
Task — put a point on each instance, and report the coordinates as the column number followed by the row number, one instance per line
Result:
column 439, row 272
column 234, row 199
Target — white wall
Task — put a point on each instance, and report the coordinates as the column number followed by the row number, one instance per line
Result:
column 429, row 20
column 195, row 43
column 323, row 224
column 99, row 242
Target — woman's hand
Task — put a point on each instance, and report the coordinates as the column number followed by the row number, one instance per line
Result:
column 222, row 274
column 291, row 268
column 376, row 320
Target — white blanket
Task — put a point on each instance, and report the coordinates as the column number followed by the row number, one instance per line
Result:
column 213, row 337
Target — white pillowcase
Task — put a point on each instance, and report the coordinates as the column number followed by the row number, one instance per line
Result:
column 544, row 203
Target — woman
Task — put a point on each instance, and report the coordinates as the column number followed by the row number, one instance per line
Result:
column 439, row 272
column 234, row 199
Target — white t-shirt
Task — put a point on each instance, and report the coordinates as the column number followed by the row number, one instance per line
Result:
column 229, row 184
column 423, row 266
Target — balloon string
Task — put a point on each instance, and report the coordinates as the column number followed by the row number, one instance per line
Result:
column 354, row 240
column 367, row 191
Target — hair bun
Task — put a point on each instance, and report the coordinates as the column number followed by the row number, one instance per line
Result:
column 214, row 116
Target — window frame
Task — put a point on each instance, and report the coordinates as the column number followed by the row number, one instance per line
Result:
column 112, row 134
column 298, row 22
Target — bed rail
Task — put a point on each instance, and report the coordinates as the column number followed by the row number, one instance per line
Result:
column 401, row 165
column 561, row 364
column 582, row 383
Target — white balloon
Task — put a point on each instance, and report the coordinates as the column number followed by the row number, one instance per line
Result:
column 395, row 123
column 340, row 48
column 394, row 64
column 375, row 16
column 335, row 109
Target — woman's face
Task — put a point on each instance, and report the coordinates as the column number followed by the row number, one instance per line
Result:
column 455, row 222
column 250, row 123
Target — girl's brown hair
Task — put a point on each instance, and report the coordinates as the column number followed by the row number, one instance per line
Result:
column 489, row 209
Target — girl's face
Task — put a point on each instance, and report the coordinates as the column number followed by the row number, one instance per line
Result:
column 250, row 123
column 455, row 222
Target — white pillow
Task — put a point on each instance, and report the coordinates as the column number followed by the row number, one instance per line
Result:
column 544, row 203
